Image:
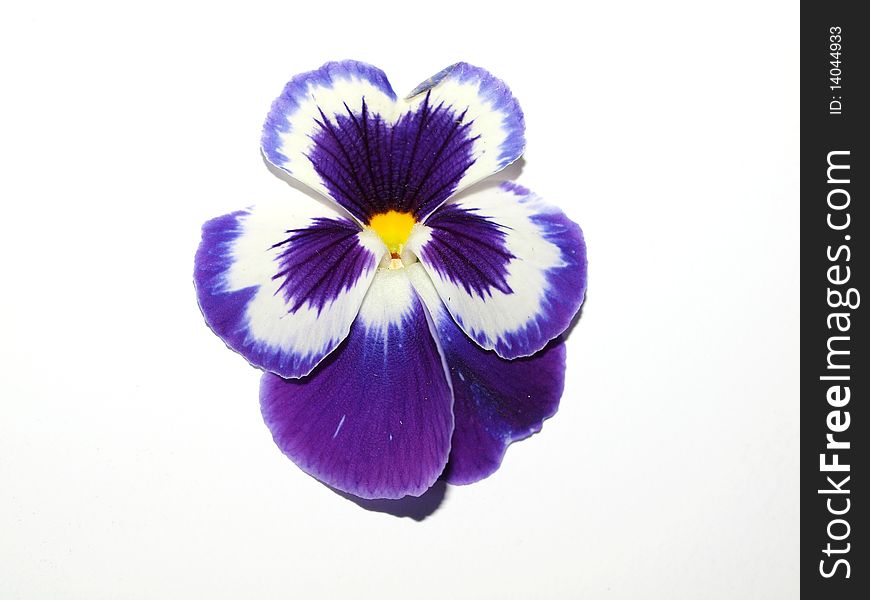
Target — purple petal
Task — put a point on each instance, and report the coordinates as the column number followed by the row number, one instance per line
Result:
column 469, row 249
column 510, row 268
column 371, row 166
column 341, row 130
column 312, row 100
column 281, row 283
column 496, row 401
column 375, row 418
column 488, row 106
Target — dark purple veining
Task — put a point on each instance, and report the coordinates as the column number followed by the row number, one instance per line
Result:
column 496, row 95
column 371, row 167
column 307, row 277
column 468, row 249
column 320, row 262
column 298, row 89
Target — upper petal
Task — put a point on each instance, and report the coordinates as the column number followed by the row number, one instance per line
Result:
column 375, row 418
column 490, row 116
column 510, row 268
column 281, row 283
column 312, row 132
column 341, row 130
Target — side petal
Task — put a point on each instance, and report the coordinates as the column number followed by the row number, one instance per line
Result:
column 375, row 418
column 485, row 113
column 510, row 268
column 495, row 401
column 314, row 130
column 281, row 283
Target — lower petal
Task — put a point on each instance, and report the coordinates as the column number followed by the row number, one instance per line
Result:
column 374, row 419
column 496, row 401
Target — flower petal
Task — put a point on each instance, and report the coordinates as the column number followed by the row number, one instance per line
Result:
column 281, row 283
column 486, row 106
column 375, row 418
column 341, row 130
column 303, row 133
column 510, row 268
column 495, row 401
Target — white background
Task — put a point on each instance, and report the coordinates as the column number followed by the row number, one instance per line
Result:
column 133, row 459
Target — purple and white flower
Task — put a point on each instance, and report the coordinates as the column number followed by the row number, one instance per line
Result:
column 407, row 333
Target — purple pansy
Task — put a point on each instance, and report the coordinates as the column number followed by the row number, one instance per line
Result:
column 407, row 333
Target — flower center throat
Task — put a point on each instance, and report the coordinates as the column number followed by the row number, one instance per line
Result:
column 393, row 228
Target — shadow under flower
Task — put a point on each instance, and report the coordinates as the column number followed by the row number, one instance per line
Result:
column 417, row 508
column 575, row 320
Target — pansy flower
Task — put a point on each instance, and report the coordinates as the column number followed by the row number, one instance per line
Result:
column 407, row 331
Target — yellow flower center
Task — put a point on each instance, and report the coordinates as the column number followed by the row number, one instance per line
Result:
column 393, row 228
